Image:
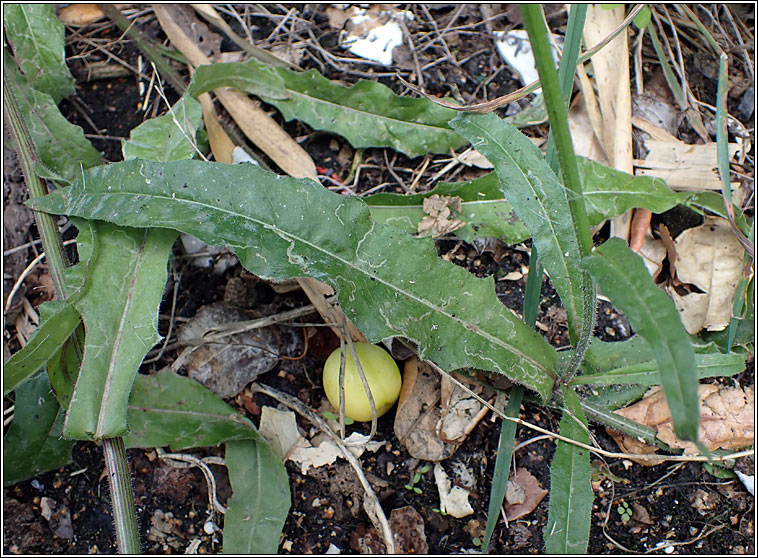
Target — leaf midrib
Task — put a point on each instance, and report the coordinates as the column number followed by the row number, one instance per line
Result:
column 291, row 237
column 111, row 373
column 546, row 217
column 656, row 339
column 365, row 113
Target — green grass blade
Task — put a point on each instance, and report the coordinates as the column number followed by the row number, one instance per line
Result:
column 668, row 72
column 256, row 512
column 502, row 463
column 376, row 269
column 647, row 373
column 570, row 508
column 624, row 278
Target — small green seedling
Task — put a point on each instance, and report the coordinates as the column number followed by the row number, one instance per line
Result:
column 331, row 416
column 624, row 511
column 416, row 478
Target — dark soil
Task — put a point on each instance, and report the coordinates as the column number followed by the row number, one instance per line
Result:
column 690, row 511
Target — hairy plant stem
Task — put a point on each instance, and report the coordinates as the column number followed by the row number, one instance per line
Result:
column 555, row 103
column 122, row 496
column 28, row 159
column 566, row 73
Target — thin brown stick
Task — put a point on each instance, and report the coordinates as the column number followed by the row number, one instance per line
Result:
column 371, row 503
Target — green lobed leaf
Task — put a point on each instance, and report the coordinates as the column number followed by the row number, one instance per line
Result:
column 44, row 344
column 483, row 209
column 647, row 374
column 633, row 362
column 388, row 284
column 570, row 508
column 253, row 77
column 171, row 410
column 539, row 200
column 126, row 276
column 368, row 114
column 170, row 137
column 38, row 38
column 607, row 193
column 61, row 145
column 257, row 510
column 623, row 277
column 33, row 442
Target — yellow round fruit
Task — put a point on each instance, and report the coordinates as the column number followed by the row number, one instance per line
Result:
column 381, row 373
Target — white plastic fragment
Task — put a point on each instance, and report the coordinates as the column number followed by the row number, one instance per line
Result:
column 515, row 50
column 371, row 39
column 279, row 428
column 239, row 155
column 333, row 549
column 747, row 480
column 453, row 501
column 326, row 452
column 193, row 245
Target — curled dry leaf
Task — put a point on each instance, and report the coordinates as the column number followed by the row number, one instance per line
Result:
column 453, row 501
column 419, row 412
column 438, row 220
column 710, row 257
column 727, row 420
column 523, row 494
column 81, row 14
column 279, row 428
column 407, row 527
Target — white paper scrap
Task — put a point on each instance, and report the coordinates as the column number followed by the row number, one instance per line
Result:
column 372, row 40
column 453, row 501
column 515, row 50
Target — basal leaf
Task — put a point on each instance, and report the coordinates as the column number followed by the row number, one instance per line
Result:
column 255, row 78
column 171, row 410
column 388, row 284
column 484, row 210
column 607, row 193
column 623, row 277
column 570, row 509
column 170, row 137
column 633, row 362
column 33, row 442
column 46, row 341
column 368, row 114
column 37, row 37
column 647, row 374
column 61, row 145
column 256, row 512
column 126, row 276
column 540, row 201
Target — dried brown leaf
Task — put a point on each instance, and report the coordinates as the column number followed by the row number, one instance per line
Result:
column 438, row 220
column 709, row 257
column 727, row 420
column 419, row 412
column 532, row 491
